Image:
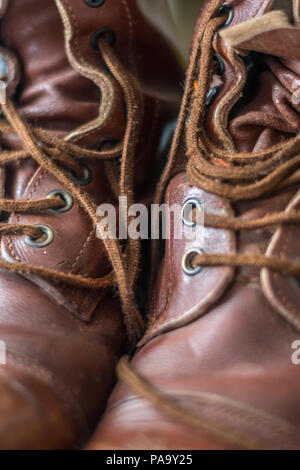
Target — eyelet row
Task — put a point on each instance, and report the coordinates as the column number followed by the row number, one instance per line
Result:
column 107, row 32
column 187, row 260
column 48, row 232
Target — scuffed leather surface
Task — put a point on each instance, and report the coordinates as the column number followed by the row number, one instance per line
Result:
column 233, row 362
column 63, row 343
column 170, row 308
column 240, row 349
column 273, row 113
column 68, row 96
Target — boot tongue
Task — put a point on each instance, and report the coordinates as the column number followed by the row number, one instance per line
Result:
column 273, row 112
column 52, row 94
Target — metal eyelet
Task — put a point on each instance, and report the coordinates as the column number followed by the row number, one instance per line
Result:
column 211, row 95
column 187, row 262
column 87, row 176
column 94, row 3
column 66, row 197
column 228, row 9
column 44, row 240
column 107, row 32
column 221, row 64
column 4, row 70
column 188, row 205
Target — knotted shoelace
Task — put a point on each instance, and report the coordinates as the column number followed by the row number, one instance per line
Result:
column 231, row 175
column 56, row 155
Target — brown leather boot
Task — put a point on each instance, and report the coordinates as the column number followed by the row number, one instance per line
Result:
column 216, row 367
column 91, row 86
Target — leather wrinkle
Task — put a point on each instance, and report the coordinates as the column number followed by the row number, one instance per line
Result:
column 267, row 172
column 30, row 139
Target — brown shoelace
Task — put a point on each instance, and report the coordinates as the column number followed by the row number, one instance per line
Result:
column 231, row 175
column 56, row 155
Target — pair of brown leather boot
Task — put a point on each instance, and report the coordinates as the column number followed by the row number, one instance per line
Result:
column 92, row 91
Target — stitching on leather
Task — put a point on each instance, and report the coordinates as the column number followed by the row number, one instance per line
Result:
column 42, row 175
column 11, row 250
column 76, row 36
column 130, row 27
column 262, row 3
column 84, row 246
column 10, row 246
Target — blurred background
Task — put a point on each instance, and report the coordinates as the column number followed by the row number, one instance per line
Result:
column 176, row 20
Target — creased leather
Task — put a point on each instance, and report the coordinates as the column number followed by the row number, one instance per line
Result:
column 63, row 343
column 170, row 309
column 238, row 353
